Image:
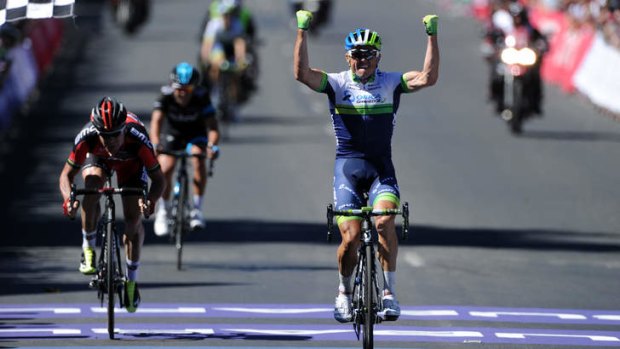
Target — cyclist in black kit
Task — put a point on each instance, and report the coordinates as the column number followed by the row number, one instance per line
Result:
column 185, row 111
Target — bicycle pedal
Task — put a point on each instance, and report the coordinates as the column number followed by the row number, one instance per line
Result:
column 93, row 283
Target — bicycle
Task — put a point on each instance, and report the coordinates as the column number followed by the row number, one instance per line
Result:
column 178, row 224
column 366, row 302
column 109, row 278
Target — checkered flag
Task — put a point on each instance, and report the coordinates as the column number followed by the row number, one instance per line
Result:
column 12, row 10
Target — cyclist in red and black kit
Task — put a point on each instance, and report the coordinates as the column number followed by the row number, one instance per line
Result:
column 113, row 140
column 182, row 113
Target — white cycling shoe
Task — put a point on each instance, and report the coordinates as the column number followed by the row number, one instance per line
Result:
column 343, row 311
column 161, row 223
column 391, row 308
column 196, row 220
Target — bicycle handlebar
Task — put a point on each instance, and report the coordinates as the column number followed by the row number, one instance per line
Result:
column 367, row 212
column 186, row 153
column 108, row 191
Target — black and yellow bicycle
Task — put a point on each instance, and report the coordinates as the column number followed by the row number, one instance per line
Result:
column 366, row 297
column 109, row 280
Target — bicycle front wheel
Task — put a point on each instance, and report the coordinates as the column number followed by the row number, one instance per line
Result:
column 369, row 300
column 110, row 284
column 179, row 226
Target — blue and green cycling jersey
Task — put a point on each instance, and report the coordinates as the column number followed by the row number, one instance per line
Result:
column 363, row 115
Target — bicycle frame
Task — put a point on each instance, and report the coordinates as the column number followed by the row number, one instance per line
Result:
column 179, row 221
column 109, row 277
column 366, row 304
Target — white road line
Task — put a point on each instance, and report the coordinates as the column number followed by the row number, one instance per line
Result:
column 56, row 331
column 156, row 331
column 451, row 334
column 607, row 317
column 179, row 310
column 276, row 310
column 53, row 310
column 495, row 314
column 287, row 332
column 595, row 338
column 429, row 312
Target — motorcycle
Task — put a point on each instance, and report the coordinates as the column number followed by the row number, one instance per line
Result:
column 129, row 15
column 514, row 83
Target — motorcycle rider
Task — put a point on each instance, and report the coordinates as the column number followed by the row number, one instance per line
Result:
column 511, row 17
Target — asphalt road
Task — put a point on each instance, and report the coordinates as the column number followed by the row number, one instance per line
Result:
column 514, row 240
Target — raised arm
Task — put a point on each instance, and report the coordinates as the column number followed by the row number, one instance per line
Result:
column 301, row 66
column 430, row 72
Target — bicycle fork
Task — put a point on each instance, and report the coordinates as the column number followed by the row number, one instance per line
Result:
column 366, row 251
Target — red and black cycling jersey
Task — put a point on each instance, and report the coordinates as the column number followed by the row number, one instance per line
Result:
column 135, row 153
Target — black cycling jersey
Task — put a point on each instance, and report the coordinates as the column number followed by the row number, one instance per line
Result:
column 185, row 121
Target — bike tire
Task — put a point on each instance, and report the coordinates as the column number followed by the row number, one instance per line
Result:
column 179, row 225
column 516, row 124
column 369, row 307
column 110, row 284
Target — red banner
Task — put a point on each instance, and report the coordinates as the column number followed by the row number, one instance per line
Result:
column 568, row 46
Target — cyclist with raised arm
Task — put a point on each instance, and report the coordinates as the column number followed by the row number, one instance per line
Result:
column 113, row 140
column 183, row 112
column 363, row 101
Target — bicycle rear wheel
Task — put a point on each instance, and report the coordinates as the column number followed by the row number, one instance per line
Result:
column 110, row 284
column 369, row 304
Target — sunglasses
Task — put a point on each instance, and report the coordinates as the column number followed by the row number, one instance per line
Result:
column 187, row 89
column 113, row 134
column 360, row 54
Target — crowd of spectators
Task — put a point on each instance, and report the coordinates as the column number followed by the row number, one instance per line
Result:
column 604, row 15
column 10, row 35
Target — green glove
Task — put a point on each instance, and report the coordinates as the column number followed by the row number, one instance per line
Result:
column 303, row 19
column 430, row 23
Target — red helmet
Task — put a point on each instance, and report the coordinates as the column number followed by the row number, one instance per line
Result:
column 108, row 116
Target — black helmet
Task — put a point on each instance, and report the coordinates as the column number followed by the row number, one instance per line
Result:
column 108, row 116
column 184, row 74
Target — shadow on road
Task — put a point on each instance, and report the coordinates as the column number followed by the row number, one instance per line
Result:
column 62, row 232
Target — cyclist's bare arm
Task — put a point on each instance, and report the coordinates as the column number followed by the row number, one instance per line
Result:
column 214, row 133
column 240, row 50
column 430, row 73
column 158, row 184
column 66, row 179
column 157, row 118
column 205, row 51
column 301, row 66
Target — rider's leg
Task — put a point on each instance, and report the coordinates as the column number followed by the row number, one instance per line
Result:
column 133, row 236
column 94, row 177
column 350, row 229
column 200, row 176
column 388, row 252
column 347, row 258
column 167, row 163
column 198, row 188
column 388, row 244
